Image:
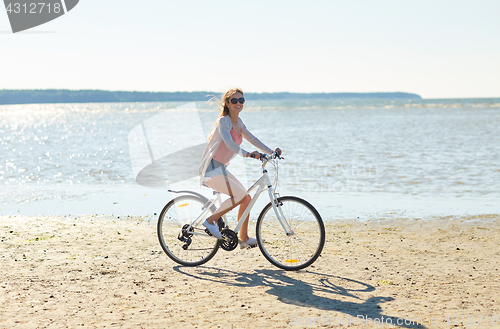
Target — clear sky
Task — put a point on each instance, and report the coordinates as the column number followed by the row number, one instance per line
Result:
column 435, row 48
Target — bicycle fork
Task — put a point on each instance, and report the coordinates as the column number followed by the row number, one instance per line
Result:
column 279, row 212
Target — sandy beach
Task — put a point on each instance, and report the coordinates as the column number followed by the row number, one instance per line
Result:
column 103, row 271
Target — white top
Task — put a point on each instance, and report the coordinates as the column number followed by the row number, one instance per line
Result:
column 223, row 133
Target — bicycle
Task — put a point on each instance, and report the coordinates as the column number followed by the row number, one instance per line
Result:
column 290, row 232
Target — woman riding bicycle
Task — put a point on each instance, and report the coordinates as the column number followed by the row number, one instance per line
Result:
column 223, row 143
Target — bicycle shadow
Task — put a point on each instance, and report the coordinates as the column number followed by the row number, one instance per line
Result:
column 305, row 294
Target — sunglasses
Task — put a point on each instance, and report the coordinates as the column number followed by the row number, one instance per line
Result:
column 236, row 100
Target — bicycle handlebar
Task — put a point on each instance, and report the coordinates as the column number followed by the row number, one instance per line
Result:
column 264, row 156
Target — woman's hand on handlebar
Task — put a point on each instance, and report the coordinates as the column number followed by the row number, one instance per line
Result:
column 257, row 155
column 254, row 154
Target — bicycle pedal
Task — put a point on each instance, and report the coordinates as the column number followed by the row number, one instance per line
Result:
column 221, row 224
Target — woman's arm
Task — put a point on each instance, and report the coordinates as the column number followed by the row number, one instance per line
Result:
column 254, row 140
column 224, row 128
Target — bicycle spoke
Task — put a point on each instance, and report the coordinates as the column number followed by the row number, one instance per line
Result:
column 185, row 244
column 295, row 251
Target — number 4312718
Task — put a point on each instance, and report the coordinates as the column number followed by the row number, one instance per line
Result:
column 34, row 8
column 471, row 320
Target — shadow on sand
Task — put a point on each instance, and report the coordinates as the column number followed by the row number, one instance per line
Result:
column 296, row 292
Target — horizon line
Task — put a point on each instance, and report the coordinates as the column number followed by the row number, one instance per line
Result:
column 203, row 91
column 210, row 93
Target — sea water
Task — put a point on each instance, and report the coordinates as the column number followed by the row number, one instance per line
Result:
column 351, row 158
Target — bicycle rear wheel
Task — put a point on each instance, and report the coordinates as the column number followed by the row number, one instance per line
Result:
column 303, row 246
column 179, row 243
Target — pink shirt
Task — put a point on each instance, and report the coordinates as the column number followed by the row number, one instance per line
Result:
column 222, row 137
column 223, row 154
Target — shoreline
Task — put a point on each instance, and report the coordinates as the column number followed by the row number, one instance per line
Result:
column 135, row 200
column 103, row 271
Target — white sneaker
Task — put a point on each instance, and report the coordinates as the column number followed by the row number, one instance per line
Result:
column 251, row 242
column 213, row 228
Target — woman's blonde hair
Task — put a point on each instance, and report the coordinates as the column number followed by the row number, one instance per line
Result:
column 222, row 104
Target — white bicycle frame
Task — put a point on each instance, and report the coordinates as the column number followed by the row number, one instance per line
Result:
column 261, row 184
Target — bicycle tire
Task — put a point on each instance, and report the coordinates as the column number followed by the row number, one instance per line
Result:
column 298, row 250
column 178, row 212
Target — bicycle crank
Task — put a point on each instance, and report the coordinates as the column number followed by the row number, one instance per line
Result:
column 229, row 240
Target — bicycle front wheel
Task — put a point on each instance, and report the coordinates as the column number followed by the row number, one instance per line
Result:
column 297, row 245
column 183, row 245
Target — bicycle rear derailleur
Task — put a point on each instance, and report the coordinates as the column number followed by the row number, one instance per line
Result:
column 185, row 236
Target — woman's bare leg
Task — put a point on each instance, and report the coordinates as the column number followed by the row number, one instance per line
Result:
column 243, row 206
column 244, row 228
column 220, row 183
column 228, row 186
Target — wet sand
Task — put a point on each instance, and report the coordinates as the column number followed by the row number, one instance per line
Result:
column 103, row 271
